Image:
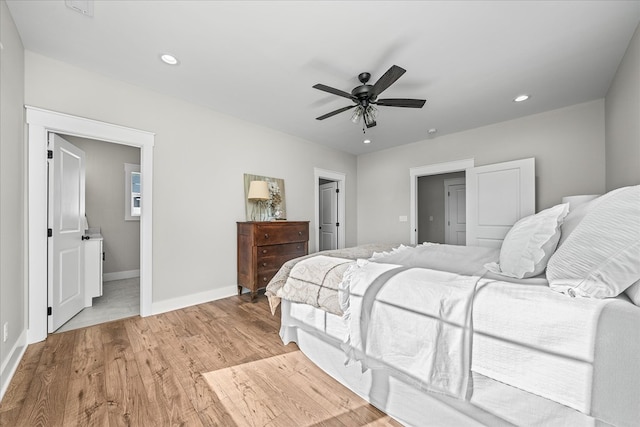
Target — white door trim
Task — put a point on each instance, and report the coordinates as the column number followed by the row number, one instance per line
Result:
column 40, row 122
column 341, row 179
column 434, row 169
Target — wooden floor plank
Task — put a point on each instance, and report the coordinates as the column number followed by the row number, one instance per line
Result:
column 46, row 397
column 86, row 402
column 215, row 364
column 14, row 397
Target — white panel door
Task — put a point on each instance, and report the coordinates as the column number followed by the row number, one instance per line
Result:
column 328, row 216
column 498, row 195
column 455, row 212
column 66, row 250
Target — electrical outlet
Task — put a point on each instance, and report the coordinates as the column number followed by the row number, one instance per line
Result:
column 5, row 332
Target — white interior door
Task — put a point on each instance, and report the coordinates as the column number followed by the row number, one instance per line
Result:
column 498, row 195
column 66, row 250
column 455, row 212
column 328, row 216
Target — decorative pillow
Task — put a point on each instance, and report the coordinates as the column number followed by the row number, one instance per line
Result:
column 529, row 244
column 601, row 258
column 573, row 218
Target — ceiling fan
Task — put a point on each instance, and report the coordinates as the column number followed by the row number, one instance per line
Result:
column 365, row 97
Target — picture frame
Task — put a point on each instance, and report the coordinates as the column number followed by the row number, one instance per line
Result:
column 276, row 209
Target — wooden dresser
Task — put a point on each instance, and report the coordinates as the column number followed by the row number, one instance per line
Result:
column 264, row 246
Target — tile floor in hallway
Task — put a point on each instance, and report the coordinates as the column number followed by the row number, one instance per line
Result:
column 120, row 299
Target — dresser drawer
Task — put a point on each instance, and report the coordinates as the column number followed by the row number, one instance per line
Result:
column 284, row 249
column 272, row 234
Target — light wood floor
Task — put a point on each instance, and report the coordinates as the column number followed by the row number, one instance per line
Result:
column 220, row 363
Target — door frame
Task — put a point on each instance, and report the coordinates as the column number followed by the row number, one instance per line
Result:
column 39, row 123
column 433, row 169
column 341, row 179
column 448, row 183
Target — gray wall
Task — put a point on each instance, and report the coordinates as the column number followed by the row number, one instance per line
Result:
column 12, row 199
column 200, row 157
column 105, row 199
column 431, row 204
column 622, row 120
column 568, row 145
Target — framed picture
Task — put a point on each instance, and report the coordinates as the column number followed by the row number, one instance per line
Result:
column 273, row 208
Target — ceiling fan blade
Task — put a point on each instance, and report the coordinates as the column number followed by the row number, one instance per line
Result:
column 332, row 90
column 387, row 79
column 333, row 113
column 401, row 102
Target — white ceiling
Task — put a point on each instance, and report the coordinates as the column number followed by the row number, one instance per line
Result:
column 258, row 60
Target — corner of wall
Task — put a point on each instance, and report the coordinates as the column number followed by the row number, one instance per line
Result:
column 622, row 127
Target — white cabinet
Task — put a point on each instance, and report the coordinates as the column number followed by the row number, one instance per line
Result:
column 92, row 268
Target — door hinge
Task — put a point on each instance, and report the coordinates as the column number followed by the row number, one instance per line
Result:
column 49, row 232
column 337, row 190
column 49, row 154
column 337, row 224
column 448, row 194
column 49, row 311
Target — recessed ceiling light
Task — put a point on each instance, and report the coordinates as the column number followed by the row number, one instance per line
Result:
column 367, row 141
column 432, row 131
column 169, row 59
column 521, row 98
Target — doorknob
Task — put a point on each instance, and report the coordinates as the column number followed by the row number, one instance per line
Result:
column 85, row 237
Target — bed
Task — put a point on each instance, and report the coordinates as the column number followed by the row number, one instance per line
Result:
column 542, row 331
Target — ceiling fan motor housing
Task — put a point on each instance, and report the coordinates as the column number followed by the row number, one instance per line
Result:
column 364, row 93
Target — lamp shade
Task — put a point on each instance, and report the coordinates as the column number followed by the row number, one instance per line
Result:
column 258, row 190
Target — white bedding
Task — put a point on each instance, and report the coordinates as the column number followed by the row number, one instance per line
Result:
column 524, row 335
column 319, row 334
column 414, row 321
column 438, row 329
column 538, row 340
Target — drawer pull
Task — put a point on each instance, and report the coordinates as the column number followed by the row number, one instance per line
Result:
column 264, row 251
column 264, row 264
column 264, row 279
column 298, row 247
column 299, row 233
column 266, row 235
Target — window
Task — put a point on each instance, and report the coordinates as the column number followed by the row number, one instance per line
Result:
column 132, row 204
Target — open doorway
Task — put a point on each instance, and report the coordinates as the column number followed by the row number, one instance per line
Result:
column 329, row 209
column 328, row 214
column 112, row 279
column 40, row 123
column 429, row 170
column 441, row 208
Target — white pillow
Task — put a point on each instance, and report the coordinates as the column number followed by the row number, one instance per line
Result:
column 529, row 244
column 601, row 258
column 573, row 218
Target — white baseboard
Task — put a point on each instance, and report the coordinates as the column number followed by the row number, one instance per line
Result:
column 119, row 275
column 11, row 363
column 194, row 299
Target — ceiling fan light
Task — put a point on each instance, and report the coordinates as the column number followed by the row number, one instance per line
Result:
column 370, row 115
column 357, row 113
